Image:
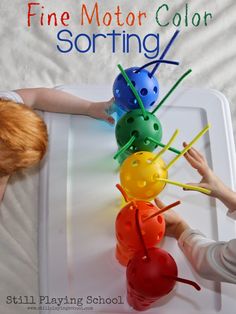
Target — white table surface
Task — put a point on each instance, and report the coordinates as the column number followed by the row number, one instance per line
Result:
column 79, row 203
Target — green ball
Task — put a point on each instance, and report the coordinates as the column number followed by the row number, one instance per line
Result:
column 133, row 123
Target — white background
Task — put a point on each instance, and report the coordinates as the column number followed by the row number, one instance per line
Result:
column 28, row 58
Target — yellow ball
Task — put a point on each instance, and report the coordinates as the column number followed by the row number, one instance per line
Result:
column 139, row 175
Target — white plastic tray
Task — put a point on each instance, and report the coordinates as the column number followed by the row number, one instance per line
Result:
column 79, row 204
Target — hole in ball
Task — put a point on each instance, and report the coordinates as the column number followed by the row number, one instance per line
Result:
column 141, row 183
column 156, row 127
column 152, row 103
column 117, row 93
column 135, row 133
column 130, row 120
column 135, row 163
column 132, row 101
column 155, row 89
column 146, row 118
column 128, row 225
column 146, row 141
column 133, row 82
column 159, row 219
column 144, row 92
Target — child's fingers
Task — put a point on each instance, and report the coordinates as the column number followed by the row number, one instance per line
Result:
column 201, row 186
column 191, row 184
column 192, row 161
column 110, row 102
column 189, row 151
column 159, row 203
column 198, row 165
column 194, row 153
column 111, row 120
column 109, row 106
column 108, row 118
column 198, row 154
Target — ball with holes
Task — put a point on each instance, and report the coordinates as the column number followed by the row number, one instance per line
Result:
column 139, row 175
column 146, row 86
column 146, row 282
column 128, row 238
column 144, row 130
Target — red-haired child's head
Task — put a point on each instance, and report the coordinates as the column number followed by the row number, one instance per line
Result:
column 23, row 137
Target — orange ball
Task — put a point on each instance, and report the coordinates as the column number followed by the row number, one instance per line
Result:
column 128, row 239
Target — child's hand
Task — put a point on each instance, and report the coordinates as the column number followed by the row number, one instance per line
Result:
column 209, row 180
column 101, row 110
column 175, row 224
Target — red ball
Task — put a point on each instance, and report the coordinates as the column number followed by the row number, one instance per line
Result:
column 146, row 276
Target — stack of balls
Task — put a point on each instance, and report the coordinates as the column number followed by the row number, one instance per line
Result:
column 140, row 226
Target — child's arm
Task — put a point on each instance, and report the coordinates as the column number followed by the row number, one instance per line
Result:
column 3, row 185
column 211, row 259
column 210, row 180
column 54, row 100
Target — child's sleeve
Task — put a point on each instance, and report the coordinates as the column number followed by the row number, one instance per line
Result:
column 212, row 260
column 11, row 95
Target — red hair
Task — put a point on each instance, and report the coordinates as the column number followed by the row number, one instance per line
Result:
column 23, row 137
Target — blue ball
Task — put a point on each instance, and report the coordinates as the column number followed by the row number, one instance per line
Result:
column 146, row 86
